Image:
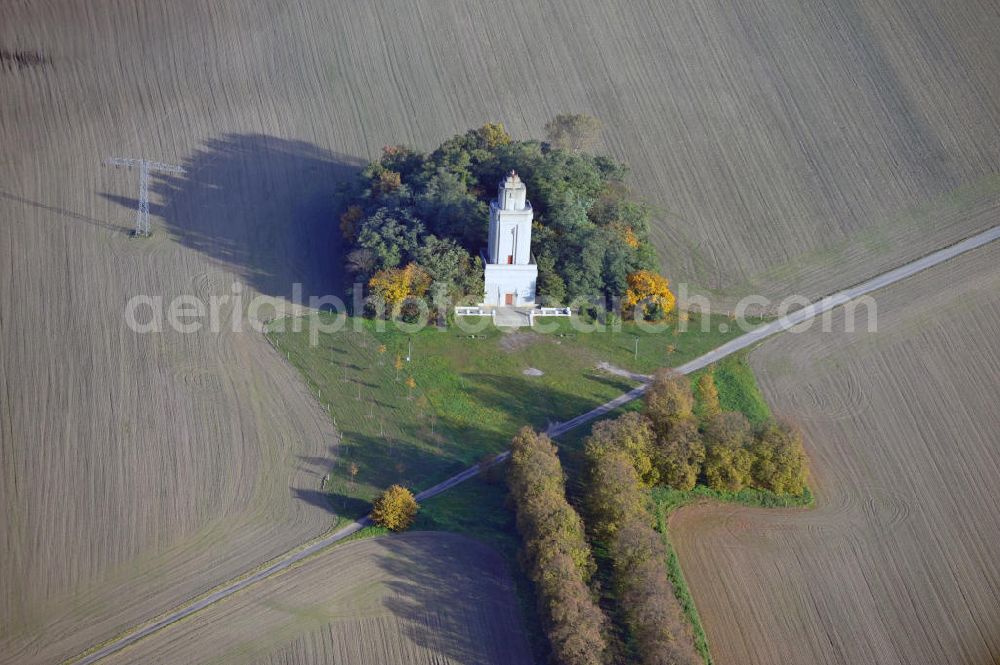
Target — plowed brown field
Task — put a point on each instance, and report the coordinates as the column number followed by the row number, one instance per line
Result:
column 785, row 145
column 416, row 598
column 897, row 563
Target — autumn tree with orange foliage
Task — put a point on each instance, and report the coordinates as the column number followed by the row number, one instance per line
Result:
column 394, row 285
column 629, row 237
column 648, row 295
column 349, row 222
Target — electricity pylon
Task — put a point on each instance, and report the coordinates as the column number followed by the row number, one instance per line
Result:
column 142, row 229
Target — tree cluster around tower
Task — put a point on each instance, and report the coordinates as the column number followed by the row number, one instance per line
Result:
column 415, row 223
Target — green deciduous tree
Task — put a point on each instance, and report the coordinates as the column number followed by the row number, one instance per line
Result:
column 391, row 236
column 550, row 286
column 449, row 267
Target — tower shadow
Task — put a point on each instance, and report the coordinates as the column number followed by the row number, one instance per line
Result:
column 260, row 206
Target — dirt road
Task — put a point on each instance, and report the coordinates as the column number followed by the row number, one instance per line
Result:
column 742, row 342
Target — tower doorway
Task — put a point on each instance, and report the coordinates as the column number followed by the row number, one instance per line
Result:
column 508, row 299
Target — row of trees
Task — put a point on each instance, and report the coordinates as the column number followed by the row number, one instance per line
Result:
column 416, row 222
column 720, row 448
column 618, row 516
column 555, row 552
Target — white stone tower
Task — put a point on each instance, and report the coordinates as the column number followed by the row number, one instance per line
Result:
column 510, row 270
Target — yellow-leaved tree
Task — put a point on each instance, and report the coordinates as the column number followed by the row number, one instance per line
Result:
column 394, row 285
column 395, row 508
column 629, row 237
column 648, row 295
column 707, row 396
column 494, row 134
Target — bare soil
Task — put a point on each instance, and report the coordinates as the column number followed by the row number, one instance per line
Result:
column 784, row 147
column 416, row 598
column 896, row 564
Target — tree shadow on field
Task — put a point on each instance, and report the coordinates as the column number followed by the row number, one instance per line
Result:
column 263, row 207
column 536, row 404
column 458, row 603
column 337, row 503
column 320, row 467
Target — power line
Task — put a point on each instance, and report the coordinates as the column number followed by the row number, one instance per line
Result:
column 142, row 228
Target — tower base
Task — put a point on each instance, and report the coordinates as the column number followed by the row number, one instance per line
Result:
column 510, row 285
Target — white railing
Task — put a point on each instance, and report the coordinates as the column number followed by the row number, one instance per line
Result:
column 470, row 311
column 547, row 311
